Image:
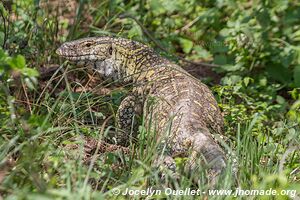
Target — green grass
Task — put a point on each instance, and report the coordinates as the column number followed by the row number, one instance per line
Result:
column 260, row 103
column 46, row 167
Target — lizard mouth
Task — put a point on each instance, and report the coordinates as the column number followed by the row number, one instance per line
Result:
column 89, row 57
column 72, row 56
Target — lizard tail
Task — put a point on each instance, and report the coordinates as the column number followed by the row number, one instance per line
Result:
column 210, row 153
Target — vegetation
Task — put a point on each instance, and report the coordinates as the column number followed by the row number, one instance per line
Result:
column 255, row 49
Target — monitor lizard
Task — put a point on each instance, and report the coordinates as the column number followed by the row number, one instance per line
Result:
column 185, row 114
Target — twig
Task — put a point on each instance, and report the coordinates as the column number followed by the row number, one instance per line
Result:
column 122, row 16
column 190, row 24
column 27, row 99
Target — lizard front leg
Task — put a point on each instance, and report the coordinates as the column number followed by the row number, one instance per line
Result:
column 127, row 119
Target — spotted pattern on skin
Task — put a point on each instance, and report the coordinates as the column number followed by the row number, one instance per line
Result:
column 191, row 105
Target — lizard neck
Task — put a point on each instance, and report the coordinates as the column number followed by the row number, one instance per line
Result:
column 138, row 64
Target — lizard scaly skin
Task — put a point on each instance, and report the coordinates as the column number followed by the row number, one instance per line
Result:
column 184, row 114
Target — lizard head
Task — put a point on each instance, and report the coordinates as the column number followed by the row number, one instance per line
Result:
column 110, row 56
column 87, row 49
column 93, row 52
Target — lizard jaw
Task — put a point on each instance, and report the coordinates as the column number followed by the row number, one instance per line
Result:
column 90, row 57
column 67, row 53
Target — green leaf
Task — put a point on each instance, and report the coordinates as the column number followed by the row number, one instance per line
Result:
column 225, row 32
column 263, row 81
column 230, row 68
column 296, row 36
column 247, row 80
column 30, row 72
column 117, row 96
column 99, row 115
column 202, row 53
column 29, row 83
column 218, row 47
column 171, row 5
column 279, row 73
column 294, row 93
column 231, row 80
column 135, row 31
column 280, row 99
column 263, row 17
column 297, row 76
column 156, row 7
column 1, row 38
column 220, row 59
column 17, row 62
column 186, row 45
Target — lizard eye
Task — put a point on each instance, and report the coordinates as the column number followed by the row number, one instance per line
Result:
column 88, row 44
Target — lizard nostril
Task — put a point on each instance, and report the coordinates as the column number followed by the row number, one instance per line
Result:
column 110, row 50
